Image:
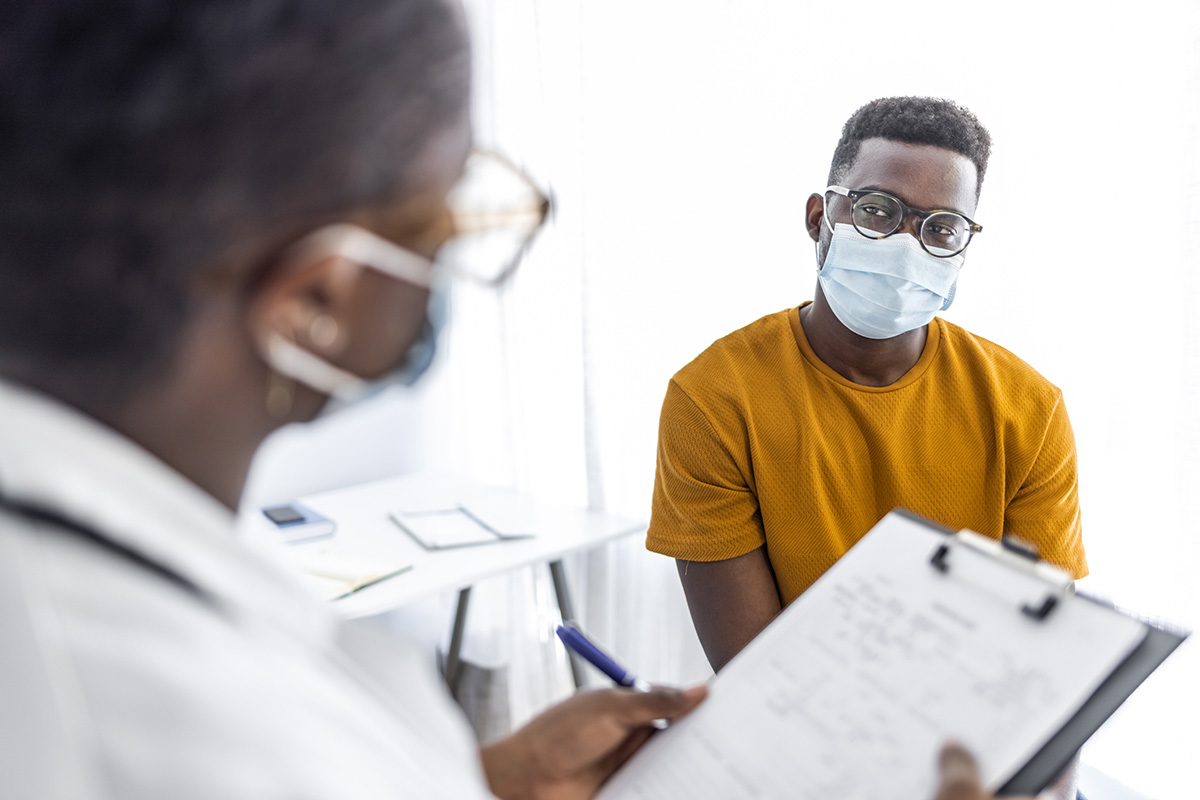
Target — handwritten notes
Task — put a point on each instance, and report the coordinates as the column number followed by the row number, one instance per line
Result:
column 852, row 690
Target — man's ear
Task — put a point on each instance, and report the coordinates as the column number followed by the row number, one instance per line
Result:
column 814, row 214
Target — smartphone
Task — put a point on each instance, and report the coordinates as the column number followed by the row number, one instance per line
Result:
column 299, row 524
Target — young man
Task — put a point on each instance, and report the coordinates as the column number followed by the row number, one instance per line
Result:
column 786, row 441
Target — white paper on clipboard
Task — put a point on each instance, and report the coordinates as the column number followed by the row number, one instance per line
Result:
column 852, row 690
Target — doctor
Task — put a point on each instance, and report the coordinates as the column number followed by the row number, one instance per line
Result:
column 216, row 217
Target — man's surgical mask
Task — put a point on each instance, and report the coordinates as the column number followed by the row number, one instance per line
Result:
column 343, row 387
column 881, row 288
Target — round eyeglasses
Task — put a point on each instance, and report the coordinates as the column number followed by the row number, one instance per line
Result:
column 877, row 215
column 498, row 211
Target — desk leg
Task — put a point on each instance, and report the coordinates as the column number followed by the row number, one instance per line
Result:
column 456, row 637
column 559, row 576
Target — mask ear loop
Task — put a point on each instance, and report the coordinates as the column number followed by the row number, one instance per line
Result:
column 817, row 244
column 364, row 248
column 281, row 392
column 288, row 358
column 825, row 214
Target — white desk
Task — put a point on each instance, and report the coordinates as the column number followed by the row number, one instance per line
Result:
column 363, row 526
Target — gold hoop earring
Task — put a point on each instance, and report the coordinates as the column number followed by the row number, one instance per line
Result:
column 323, row 331
column 281, row 393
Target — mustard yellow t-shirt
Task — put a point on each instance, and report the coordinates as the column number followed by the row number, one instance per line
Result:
column 760, row 442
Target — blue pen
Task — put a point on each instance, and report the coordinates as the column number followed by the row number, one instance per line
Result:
column 579, row 644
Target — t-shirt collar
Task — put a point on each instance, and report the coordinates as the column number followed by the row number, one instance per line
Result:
column 932, row 344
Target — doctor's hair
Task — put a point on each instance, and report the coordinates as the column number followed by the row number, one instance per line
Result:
column 913, row 120
column 143, row 142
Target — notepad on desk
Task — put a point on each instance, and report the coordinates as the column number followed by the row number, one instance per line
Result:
column 338, row 573
column 913, row 637
column 457, row 526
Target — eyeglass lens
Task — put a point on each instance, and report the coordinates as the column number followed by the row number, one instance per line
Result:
column 497, row 212
column 943, row 233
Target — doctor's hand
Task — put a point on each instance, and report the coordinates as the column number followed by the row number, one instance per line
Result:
column 568, row 751
column 960, row 776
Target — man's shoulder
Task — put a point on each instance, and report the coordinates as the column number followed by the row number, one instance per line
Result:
column 742, row 354
column 1004, row 370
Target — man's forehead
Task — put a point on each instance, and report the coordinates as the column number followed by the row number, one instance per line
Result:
column 922, row 175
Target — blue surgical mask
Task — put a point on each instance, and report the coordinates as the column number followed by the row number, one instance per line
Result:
column 344, row 388
column 880, row 288
column 422, row 352
column 416, row 362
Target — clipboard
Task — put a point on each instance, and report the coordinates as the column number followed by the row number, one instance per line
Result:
column 1054, row 756
column 916, row 635
column 1158, row 643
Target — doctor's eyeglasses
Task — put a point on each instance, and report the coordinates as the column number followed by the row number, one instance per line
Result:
column 498, row 211
column 877, row 215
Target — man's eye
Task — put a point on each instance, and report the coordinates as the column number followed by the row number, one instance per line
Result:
column 875, row 211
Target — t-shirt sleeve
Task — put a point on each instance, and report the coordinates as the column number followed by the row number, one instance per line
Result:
column 1045, row 510
column 703, row 508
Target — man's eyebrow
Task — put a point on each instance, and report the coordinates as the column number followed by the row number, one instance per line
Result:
column 895, row 194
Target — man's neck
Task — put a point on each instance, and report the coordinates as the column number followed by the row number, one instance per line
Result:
column 867, row 362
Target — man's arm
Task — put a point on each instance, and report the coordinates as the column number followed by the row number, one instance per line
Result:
column 705, row 515
column 1044, row 511
column 731, row 601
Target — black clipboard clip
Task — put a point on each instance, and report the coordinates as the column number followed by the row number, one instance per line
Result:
column 1015, row 554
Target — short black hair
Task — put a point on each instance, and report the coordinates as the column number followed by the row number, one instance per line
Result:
column 142, row 139
column 914, row 120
